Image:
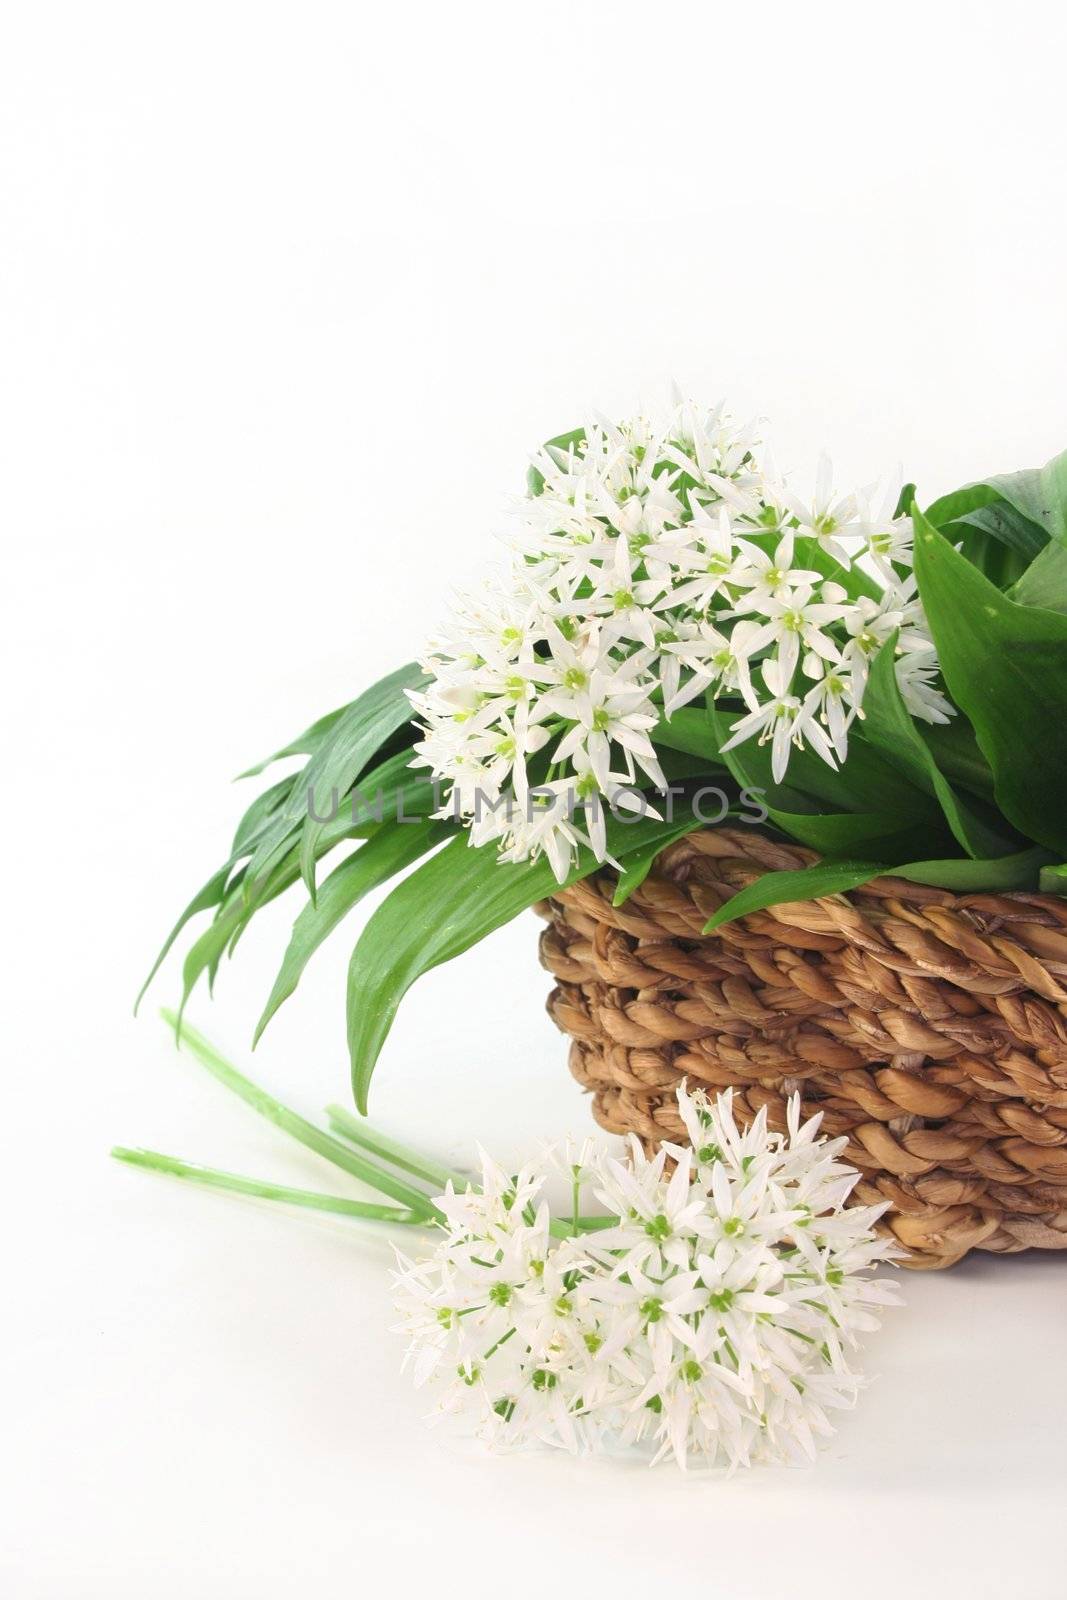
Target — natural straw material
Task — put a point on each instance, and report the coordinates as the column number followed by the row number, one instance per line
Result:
column 929, row 1027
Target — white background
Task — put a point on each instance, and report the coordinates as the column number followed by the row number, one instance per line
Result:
column 287, row 294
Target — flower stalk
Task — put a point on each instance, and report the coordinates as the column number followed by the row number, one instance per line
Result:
column 232, row 1182
column 416, row 1206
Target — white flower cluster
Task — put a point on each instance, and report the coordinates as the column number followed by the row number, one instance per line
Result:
column 657, row 564
column 712, row 1317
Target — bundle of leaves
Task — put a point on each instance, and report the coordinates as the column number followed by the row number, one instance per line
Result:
column 651, row 636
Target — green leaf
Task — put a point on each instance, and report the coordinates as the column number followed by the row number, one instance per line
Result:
column 391, row 792
column 236, row 1183
column 904, row 500
column 292, row 1123
column 865, row 781
column 638, row 864
column 958, row 755
column 535, row 480
column 1018, row 871
column 449, row 903
column 809, row 553
column 204, row 900
column 357, row 736
column 1053, row 879
column 983, row 507
column 392, row 782
column 890, row 726
column 391, row 789
column 1040, row 495
column 305, row 744
column 1004, row 522
column 399, row 1155
column 862, row 803
column 235, row 909
column 259, row 816
column 386, row 853
column 1044, row 583
column 806, row 883
column 858, row 832
column 689, row 732
column 1006, row 667
column 677, row 767
column 256, row 820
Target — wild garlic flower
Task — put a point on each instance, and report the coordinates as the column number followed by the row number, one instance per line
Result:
column 712, row 1317
column 656, row 565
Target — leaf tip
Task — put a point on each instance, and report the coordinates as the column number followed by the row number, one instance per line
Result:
column 716, row 921
column 173, row 1020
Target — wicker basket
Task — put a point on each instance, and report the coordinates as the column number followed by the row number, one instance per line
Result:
column 931, row 1028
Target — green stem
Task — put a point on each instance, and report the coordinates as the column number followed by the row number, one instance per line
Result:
column 493, row 1348
column 212, row 1178
column 297, row 1126
column 399, row 1155
column 564, row 1227
column 415, row 1205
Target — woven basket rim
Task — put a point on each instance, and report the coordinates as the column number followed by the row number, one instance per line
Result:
column 930, row 1027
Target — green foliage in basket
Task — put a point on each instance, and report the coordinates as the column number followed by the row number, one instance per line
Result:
column 679, row 639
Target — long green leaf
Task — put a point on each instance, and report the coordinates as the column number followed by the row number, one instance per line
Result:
column 357, row 736
column 1021, row 870
column 889, row 725
column 959, row 756
column 234, row 1183
column 865, row 782
column 1018, row 871
column 390, row 790
column 259, row 816
column 243, row 900
column 806, row 883
column 638, row 863
column 205, row 899
column 292, row 1123
column 888, row 832
column 1040, row 495
column 1004, row 522
column 205, row 953
column 1053, row 878
column 687, row 731
column 446, row 905
column 305, row 744
column 1044, row 583
column 850, row 833
column 386, row 853
column 1006, row 666
column 398, row 1155
column 980, row 512
column 809, row 553
column 256, row 822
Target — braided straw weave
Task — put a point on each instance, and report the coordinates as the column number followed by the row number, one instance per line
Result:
column 929, row 1027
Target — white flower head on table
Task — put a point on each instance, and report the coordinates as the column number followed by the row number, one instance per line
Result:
column 713, row 1317
column 656, row 564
